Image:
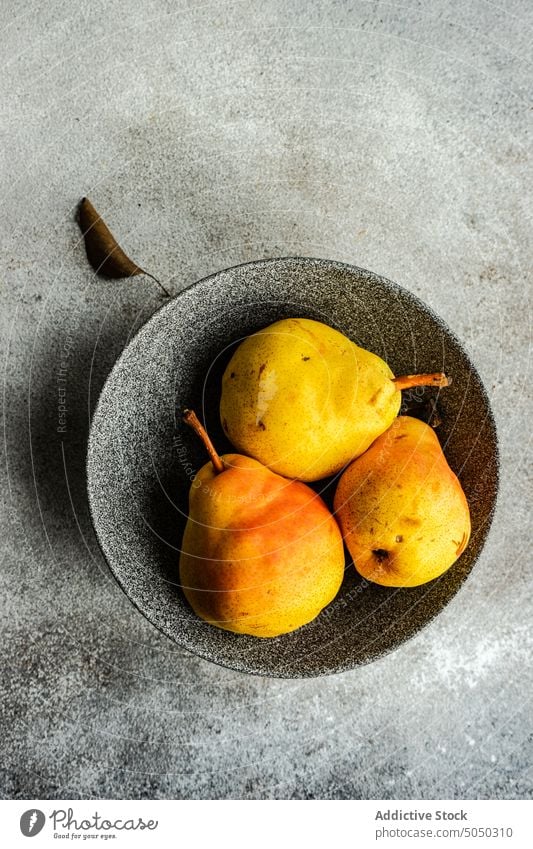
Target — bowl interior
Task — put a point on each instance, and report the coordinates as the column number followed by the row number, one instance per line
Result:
column 141, row 458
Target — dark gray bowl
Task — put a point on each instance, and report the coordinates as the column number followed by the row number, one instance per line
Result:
column 141, row 458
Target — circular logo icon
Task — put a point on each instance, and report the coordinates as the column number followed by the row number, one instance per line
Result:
column 31, row 822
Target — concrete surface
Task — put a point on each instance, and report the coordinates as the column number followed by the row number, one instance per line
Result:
column 390, row 135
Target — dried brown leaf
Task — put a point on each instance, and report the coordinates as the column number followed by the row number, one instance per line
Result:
column 103, row 251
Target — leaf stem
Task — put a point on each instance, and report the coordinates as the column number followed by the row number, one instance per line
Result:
column 167, row 293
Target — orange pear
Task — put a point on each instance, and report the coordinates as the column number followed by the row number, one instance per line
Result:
column 261, row 554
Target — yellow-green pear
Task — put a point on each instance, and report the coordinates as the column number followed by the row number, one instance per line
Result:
column 304, row 400
column 261, row 554
column 401, row 509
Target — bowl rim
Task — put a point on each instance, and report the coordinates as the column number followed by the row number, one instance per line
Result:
column 489, row 420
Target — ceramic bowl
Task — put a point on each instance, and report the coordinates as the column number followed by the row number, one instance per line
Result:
column 141, row 458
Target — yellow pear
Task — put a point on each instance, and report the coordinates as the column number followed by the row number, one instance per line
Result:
column 402, row 511
column 304, row 400
column 261, row 554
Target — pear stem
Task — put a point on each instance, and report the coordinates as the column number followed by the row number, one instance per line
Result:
column 190, row 418
column 407, row 381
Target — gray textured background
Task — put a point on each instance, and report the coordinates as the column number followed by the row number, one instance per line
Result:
column 390, row 135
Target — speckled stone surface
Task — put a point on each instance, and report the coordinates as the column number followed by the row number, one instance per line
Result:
column 392, row 137
column 141, row 458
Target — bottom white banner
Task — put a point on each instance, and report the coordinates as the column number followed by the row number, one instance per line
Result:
column 233, row 824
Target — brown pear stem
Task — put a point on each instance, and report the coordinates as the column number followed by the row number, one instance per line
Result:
column 190, row 418
column 407, row 381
